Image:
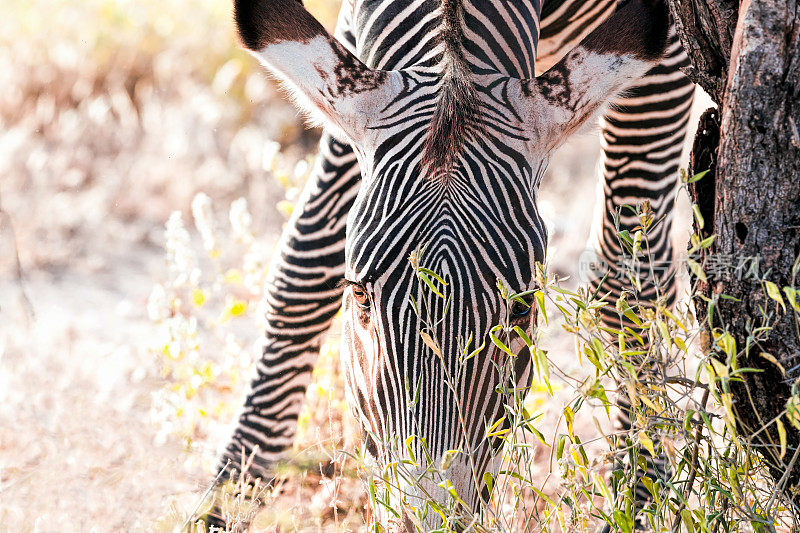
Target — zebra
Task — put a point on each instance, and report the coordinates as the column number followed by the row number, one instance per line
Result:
column 440, row 117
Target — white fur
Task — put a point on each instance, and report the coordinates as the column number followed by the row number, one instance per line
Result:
column 594, row 79
column 299, row 67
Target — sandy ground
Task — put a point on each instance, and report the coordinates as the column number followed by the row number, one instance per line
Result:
column 78, row 448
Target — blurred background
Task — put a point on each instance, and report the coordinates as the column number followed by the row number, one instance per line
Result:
column 147, row 166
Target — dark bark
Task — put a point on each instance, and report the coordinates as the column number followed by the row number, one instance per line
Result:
column 747, row 57
column 706, row 28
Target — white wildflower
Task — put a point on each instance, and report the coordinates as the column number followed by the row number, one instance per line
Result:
column 301, row 170
column 204, row 220
column 241, row 221
column 270, row 158
column 157, row 304
column 180, row 257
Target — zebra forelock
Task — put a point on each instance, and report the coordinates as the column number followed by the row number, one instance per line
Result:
column 457, row 114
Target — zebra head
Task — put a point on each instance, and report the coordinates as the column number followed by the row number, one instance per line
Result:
column 451, row 155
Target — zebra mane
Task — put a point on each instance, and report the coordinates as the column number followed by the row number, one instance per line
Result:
column 457, row 110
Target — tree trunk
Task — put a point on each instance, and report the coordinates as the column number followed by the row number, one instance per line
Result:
column 747, row 57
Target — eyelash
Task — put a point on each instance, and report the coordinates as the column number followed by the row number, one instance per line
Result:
column 361, row 296
column 519, row 311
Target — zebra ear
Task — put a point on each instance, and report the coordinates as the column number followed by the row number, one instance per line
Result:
column 623, row 48
column 327, row 81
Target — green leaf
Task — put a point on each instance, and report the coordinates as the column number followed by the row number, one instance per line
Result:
column 707, row 242
column 539, row 295
column 502, row 288
column 791, row 295
column 625, row 235
column 651, row 487
column 680, row 344
column 564, row 291
column 688, row 521
column 434, row 275
column 447, row 485
column 623, row 521
column 599, row 392
column 537, row 433
column 647, row 442
column 697, row 270
column 414, row 305
column 466, row 346
column 774, row 293
column 597, row 348
column 782, row 436
column 561, row 441
column 543, row 369
column 698, row 216
column 771, row 358
column 687, row 420
column 418, row 388
column 430, row 284
column 627, row 310
column 475, row 352
column 602, row 487
column 525, row 293
column 497, row 342
column 697, row 177
column 544, row 496
column 523, row 336
column 489, row 480
column 496, row 430
column 569, row 416
column 447, row 459
column 410, row 448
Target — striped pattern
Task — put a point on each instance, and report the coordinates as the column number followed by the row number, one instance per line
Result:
column 477, row 216
column 462, row 218
column 303, row 295
column 642, row 143
column 642, row 138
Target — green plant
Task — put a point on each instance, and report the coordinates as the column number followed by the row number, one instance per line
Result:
column 679, row 386
column 556, row 474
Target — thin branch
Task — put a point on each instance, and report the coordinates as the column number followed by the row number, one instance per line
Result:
column 698, row 434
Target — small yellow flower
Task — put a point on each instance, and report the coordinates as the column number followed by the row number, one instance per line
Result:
column 238, row 307
column 198, row 297
column 233, row 276
column 285, row 207
column 233, row 309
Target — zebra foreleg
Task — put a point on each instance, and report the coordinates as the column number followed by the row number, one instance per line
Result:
column 643, row 137
column 303, row 295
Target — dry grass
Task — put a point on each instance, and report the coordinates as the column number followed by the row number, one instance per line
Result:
column 112, row 115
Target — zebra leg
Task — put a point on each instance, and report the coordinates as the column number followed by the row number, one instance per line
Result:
column 643, row 136
column 303, row 295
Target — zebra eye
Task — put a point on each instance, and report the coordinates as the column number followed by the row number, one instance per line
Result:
column 361, row 296
column 520, row 310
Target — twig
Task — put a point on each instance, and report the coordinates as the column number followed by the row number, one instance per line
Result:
column 698, row 434
column 202, row 499
column 5, row 220
column 677, row 380
column 782, row 482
